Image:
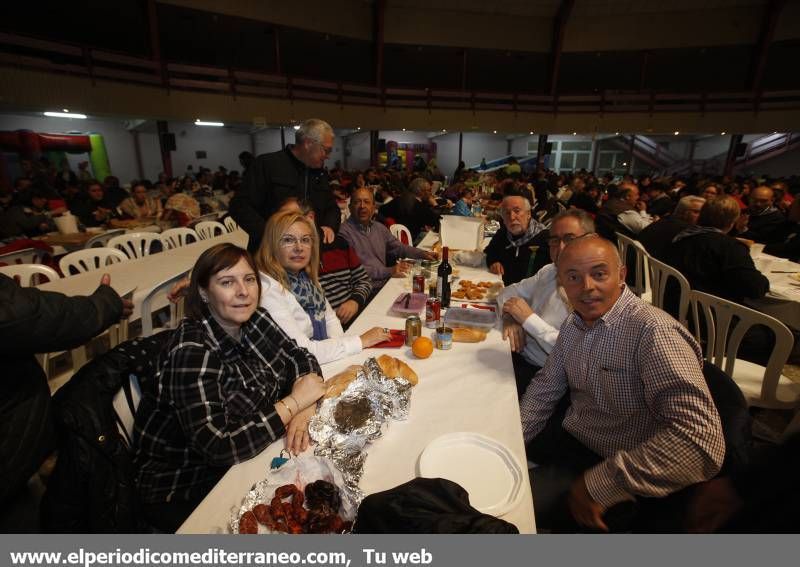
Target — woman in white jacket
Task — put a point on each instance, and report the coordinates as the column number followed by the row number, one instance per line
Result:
column 288, row 263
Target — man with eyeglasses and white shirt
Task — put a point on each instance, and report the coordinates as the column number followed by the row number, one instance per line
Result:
column 295, row 171
column 534, row 309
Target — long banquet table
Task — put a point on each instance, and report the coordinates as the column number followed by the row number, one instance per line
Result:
column 469, row 388
column 141, row 275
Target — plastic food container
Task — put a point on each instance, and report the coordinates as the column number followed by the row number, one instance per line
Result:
column 416, row 303
column 474, row 318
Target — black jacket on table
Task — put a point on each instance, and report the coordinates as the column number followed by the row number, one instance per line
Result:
column 718, row 264
column 516, row 261
column 269, row 181
column 214, row 405
column 34, row 321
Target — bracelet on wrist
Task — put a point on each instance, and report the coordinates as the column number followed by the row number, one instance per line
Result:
column 284, row 404
column 295, row 402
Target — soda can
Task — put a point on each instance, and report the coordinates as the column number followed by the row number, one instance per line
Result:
column 413, row 329
column 433, row 310
column 418, row 285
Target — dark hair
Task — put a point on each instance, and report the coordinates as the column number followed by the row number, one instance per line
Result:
column 215, row 259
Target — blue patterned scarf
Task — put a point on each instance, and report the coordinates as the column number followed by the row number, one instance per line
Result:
column 312, row 300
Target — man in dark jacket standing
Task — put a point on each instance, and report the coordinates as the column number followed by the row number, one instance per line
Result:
column 34, row 321
column 295, row 171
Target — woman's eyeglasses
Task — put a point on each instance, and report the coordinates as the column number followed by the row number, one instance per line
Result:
column 292, row 241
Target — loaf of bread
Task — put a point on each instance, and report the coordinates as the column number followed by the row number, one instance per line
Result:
column 394, row 368
column 463, row 335
column 339, row 383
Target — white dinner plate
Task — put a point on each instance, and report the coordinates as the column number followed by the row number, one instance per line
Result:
column 485, row 468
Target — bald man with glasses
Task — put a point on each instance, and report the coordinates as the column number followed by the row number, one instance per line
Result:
column 534, row 308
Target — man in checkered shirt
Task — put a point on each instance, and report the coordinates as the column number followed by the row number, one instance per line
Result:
column 641, row 424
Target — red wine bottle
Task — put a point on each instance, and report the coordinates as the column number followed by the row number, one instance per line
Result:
column 443, row 279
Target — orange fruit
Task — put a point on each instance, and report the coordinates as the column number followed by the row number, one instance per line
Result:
column 422, row 347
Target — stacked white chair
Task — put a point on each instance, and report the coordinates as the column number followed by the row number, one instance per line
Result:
column 177, row 237
column 135, row 244
column 29, row 274
column 159, row 292
column 723, row 324
column 660, row 273
column 90, row 259
column 101, row 240
column 641, row 269
column 210, row 229
column 24, row 256
column 231, row 224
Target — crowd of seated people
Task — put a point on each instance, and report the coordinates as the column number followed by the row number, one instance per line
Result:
column 44, row 191
column 321, row 249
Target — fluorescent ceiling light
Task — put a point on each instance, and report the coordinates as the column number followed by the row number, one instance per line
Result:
column 199, row 122
column 65, row 115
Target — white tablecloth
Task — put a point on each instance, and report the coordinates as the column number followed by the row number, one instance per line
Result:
column 142, row 274
column 469, row 388
column 783, row 299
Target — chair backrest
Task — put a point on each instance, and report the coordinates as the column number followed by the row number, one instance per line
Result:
column 176, row 237
column 29, row 274
column 638, row 264
column 134, row 244
column 725, row 324
column 401, row 233
column 209, row 229
column 203, row 218
column 101, row 240
column 231, row 224
column 89, row 259
column 660, row 274
column 24, row 256
column 175, row 309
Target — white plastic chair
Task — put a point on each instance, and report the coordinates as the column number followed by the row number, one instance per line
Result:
column 401, row 233
column 135, row 244
column 231, row 224
column 101, row 240
column 203, row 218
column 29, row 274
column 175, row 310
column 89, row 259
column 177, row 237
column 660, row 273
column 641, row 269
column 24, row 256
column 210, row 229
column 763, row 387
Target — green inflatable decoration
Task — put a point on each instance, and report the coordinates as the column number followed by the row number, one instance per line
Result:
column 99, row 157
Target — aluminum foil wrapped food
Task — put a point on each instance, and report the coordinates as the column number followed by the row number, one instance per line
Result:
column 374, row 394
column 300, row 472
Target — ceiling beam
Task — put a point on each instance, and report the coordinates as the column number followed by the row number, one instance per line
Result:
column 761, row 49
column 379, row 18
column 559, row 26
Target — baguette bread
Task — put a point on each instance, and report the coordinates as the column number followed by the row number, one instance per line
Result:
column 341, row 381
column 463, row 335
column 394, row 368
